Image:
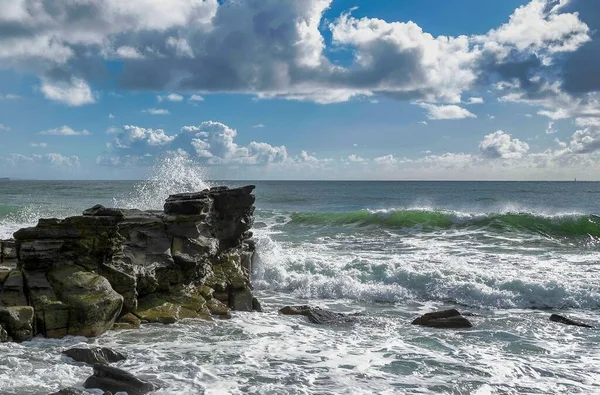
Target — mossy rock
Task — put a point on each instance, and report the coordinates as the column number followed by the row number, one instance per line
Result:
column 13, row 293
column 155, row 309
column 4, row 272
column 128, row 321
column 92, row 302
column 18, row 322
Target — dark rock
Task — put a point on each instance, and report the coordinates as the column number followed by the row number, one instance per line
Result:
column 18, row 322
column 316, row 315
column 3, row 335
column 91, row 356
column 443, row 319
column 70, row 391
column 568, row 321
column 108, row 378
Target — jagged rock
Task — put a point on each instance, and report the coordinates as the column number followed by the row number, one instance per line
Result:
column 18, row 322
column 108, row 378
column 91, row 356
column 4, row 272
column 317, row 315
column 567, row 321
column 3, row 335
column 13, row 290
column 443, row 319
column 81, row 273
column 8, row 253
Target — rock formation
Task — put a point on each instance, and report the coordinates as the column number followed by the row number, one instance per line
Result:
column 80, row 275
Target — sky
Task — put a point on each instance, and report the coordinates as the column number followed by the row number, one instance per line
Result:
column 301, row 89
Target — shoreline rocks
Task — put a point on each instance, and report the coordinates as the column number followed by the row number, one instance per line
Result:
column 109, row 378
column 451, row 319
column 567, row 321
column 115, row 268
column 94, row 355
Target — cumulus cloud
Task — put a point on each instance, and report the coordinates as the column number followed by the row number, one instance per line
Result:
column 73, row 92
column 196, row 98
column 386, row 160
column 4, row 128
column 157, row 111
column 211, row 143
column 436, row 112
column 500, row 145
column 65, row 131
column 475, row 100
column 9, row 96
column 39, row 145
column 174, row 97
column 273, row 49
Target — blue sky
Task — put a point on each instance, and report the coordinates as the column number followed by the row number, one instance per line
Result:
column 312, row 89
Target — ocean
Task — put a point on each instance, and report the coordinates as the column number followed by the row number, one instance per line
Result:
column 510, row 252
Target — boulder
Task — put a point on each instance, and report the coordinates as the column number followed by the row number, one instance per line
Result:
column 18, row 322
column 3, row 335
column 70, row 391
column 443, row 319
column 108, row 378
column 91, row 356
column 93, row 304
column 317, row 315
column 8, row 253
column 567, row 321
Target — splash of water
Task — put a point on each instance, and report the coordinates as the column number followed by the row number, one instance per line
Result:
column 172, row 174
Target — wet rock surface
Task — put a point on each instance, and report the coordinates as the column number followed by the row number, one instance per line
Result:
column 567, row 321
column 108, row 378
column 451, row 319
column 317, row 315
column 95, row 355
column 115, row 268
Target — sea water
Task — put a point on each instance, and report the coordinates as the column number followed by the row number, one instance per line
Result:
column 511, row 252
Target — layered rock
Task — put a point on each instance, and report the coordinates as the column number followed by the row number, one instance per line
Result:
column 81, row 274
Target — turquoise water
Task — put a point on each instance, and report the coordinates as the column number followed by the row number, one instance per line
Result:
column 512, row 252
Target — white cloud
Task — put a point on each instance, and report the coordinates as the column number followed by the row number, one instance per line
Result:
column 196, row 98
column 211, row 143
column 75, row 92
column 51, row 159
column 387, row 160
column 126, row 52
column 173, row 97
column 356, row 159
column 437, row 112
column 111, row 116
column 157, row 111
column 9, row 96
column 550, row 129
column 258, row 126
column 39, row 145
column 423, row 123
column 475, row 100
column 65, row 131
column 4, row 128
column 501, row 145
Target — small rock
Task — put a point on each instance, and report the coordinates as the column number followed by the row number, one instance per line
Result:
column 70, row 391
column 128, row 321
column 317, row 315
column 568, row 321
column 443, row 319
column 108, row 378
column 96, row 355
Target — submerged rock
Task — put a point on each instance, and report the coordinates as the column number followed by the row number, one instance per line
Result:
column 91, row 356
column 443, row 319
column 108, row 378
column 568, row 321
column 70, row 391
column 317, row 315
column 87, row 274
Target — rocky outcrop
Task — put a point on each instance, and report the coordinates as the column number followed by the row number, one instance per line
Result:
column 83, row 274
column 92, row 356
column 567, row 321
column 108, row 378
column 443, row 319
